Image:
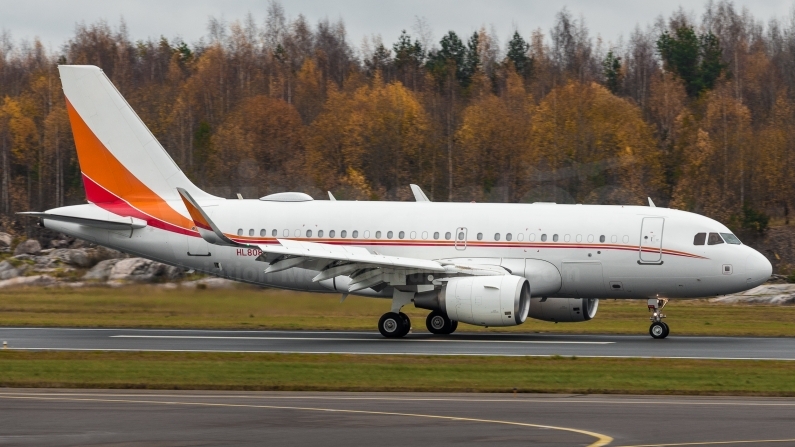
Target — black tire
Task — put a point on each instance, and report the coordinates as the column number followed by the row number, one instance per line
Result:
column 667, row 329
column 658, row 330
column 406, row 324
column 438, row 323
column 391, row 325
column 453, row 327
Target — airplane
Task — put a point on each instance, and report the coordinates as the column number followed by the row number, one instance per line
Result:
column 486, row 264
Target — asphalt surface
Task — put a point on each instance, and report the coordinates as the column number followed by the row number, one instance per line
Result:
column 202, row 418
column 413, row 344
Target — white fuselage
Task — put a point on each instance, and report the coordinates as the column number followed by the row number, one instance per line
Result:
column 595, row 250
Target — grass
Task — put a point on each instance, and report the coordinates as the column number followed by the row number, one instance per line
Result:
column 229, row 371
column 251, row 308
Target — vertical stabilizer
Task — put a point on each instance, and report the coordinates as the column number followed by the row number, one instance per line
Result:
column 124, row 167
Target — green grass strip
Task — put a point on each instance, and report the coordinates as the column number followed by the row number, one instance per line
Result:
column 230, row 371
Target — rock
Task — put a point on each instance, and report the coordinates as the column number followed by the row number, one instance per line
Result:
column 30, row 246
column 100, row 253
column 76, row 257
column 101, row 271
column 59, row 243
column 764, row 294
column 5, row 240
column 142, row 270
column 28, row 281
column 7, row 270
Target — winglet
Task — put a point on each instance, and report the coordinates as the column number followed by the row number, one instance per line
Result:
column 331, row 197
column 419, row 195
column 651, row 204
column 206, row 228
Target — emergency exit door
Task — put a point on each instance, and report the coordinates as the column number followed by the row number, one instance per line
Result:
column 651, row 235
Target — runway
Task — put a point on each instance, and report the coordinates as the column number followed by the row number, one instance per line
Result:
column 619, row 346
column 202, row 418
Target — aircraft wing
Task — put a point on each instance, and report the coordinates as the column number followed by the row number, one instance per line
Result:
column 365, row 268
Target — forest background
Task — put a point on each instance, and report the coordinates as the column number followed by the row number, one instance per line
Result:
column 697, row 113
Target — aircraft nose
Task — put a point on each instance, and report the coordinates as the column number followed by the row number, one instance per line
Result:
column 758, row 269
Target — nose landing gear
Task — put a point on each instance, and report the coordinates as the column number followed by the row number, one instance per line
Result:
column 658, row 329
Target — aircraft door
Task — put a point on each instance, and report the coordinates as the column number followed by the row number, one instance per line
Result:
column 651, row 234
column 460, row 238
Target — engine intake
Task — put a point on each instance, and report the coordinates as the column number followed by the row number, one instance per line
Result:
column 481, row 300
column 563, row 310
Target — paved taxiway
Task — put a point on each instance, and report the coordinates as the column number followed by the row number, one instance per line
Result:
column 203, row 418
column 413, row 344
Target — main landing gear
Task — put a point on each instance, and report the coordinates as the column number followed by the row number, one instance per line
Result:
column 396, row 324
column 658, row 329
column 440, row 324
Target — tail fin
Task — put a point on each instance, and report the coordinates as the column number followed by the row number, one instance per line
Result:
column 122, row 163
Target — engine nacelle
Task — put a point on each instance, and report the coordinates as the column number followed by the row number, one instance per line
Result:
column 563, row 310
column 482, row 300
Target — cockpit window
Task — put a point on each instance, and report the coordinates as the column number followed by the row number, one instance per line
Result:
column 700, row 239
column 714, row 239
column 730, row 238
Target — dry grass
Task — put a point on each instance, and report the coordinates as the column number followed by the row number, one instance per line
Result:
column 250, row 308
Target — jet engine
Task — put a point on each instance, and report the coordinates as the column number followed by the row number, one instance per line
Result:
column 481, row 300
column 563, row 310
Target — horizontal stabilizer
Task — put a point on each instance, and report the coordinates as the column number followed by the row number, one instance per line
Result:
column 123, row 223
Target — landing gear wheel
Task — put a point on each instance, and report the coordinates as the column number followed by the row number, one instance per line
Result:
column 440, row 324
column 406, row 324
column 658, row 330
column 392, row 325
column 667, row 329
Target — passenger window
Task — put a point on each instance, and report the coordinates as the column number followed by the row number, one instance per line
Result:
column 344, row 233
column 251, row 232
column 401, row 235
column 700, row 239
column 544, row 237
column 520, row 237
column 508, row 237
column 578, row 238
column 331, row 233
column 590, row 238
column 297, row 233
column 319, row 233
column 566, row 238
column 355, row 234
column 480, row 236
column 366, row 234
column 389, row 234
column 308, row 233
column 378, row 235
column 447, row 235
column 286, row 233
column 614, row 238
column 263, row 233
column 532, row 237
column 274, row 233
column 496, row 236
column 714, row 239
column 424, row 235
column 625, row 239
column 436, row 235
column 413, row 235
column 554, row 238
column 602, row 238
column 240, row 232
